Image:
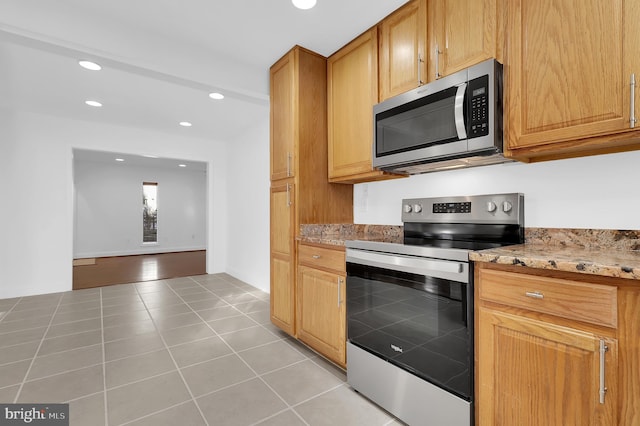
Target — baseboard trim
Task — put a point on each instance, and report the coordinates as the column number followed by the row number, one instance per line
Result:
column 84, row 261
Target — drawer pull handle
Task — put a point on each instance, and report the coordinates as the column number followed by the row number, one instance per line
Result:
column 534, row 294
column 316, row 256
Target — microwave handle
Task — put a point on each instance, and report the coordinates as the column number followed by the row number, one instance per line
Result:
column 459, row 112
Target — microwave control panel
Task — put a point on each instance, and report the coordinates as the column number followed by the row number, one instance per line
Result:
column 479, row 107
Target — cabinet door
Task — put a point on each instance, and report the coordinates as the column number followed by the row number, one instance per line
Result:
column 568, row 67
column 535, row 373
column 321, row 312
column 282, row 258
column 461, row 33
column 283, row 117
column 352, row 92
column 403, row 36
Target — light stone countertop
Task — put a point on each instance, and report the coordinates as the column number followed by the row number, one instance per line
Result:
column 337, row 234
column 603, row 252
column 607, row 263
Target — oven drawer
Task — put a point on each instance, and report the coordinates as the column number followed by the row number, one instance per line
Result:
column 592, row 303
column 322, row 258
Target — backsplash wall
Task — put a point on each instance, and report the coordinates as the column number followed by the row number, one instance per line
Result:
column 598, row 192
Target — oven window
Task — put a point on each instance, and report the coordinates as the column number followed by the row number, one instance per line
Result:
column 418, row 323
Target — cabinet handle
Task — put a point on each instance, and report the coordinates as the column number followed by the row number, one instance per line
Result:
column 420, row 61
column 288, row 196
column 316, row 256
column 288, row 164
column 438, row 52
column 603, row 350
column 458, row 111
column 339, row 291
column 534, row 294
column 632, row 115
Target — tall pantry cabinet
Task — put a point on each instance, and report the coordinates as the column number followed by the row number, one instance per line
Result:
column 300, row 190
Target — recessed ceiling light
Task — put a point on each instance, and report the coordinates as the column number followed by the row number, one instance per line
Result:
column 120, row 159
column 304, row 4
column 93, row 103
column 216, row 95
column 185, row 124
column 90, row 65
column 182, row 165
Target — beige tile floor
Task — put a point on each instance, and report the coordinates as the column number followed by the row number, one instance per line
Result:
column 190, row 351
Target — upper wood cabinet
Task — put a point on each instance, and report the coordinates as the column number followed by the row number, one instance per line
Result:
column 352, row 93
column 283, row 117
column 461, row 33
column 568, row 71
column 402, row 51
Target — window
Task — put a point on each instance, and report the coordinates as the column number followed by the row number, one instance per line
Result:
column 149, row 212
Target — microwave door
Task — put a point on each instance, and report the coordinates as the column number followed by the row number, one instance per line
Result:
column 426, row 127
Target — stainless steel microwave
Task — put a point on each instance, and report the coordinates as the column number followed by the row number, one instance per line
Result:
column 453, row 122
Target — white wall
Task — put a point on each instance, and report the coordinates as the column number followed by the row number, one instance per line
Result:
column 36, row 184
column 108, row 215
column 600, row 192
column 248, row 207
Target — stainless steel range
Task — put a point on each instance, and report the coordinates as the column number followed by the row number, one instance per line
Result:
column 410, row 306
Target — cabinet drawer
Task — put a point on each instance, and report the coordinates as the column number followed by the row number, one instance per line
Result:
column 592, row 303
column 322, row 258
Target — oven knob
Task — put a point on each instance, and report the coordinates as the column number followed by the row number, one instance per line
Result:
column 506, row 206
column 407, row 208
column 491, row 207
column 417, row 208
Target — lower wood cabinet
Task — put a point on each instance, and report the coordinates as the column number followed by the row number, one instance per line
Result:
column 543, row 374
column 320, row 300
column 282, row 257
column 555, row 348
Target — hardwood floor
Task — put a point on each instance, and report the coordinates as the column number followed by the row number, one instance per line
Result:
column 129, row 269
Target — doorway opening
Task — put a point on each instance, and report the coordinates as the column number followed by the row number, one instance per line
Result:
column 137, row 218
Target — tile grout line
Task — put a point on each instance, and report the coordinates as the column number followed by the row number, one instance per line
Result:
column 247, row 364
column 10, row 309
column 66, row 371
column 54, row 337
column 166, row 347
column 33, row 360
column 104, row 364
column 128, row 422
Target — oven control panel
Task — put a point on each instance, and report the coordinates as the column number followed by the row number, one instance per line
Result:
column 491, row 208
column 460, row 207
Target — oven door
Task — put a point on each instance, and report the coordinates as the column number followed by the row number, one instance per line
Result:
column 415, row 313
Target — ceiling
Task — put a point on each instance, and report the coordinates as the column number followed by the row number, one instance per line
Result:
column 161, row 58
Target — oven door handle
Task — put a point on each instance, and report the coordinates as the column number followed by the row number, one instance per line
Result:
column 458, row 271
